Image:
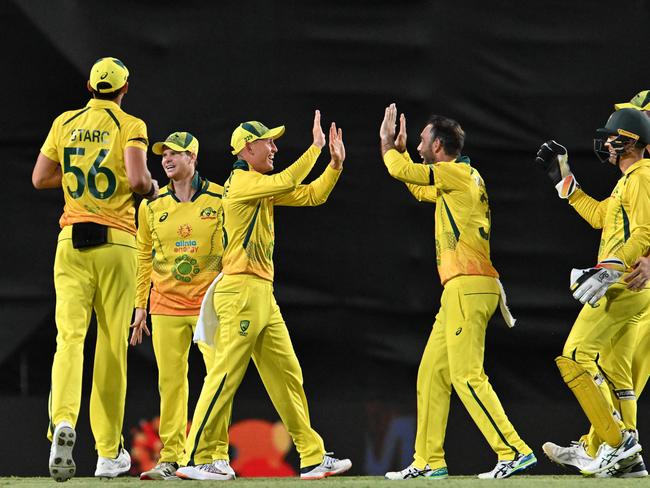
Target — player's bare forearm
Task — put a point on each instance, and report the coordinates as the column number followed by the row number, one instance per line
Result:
column 386, row 145
column 47, row 173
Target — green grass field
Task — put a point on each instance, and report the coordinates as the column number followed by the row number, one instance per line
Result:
column 346, row 482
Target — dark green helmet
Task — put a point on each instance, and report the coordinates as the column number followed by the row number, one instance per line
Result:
column 628, row 122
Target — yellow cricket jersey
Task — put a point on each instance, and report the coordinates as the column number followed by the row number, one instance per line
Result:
column 462, row 217
column 248, row 201
column 624, row 217
column 179, row 249
column 89, row 144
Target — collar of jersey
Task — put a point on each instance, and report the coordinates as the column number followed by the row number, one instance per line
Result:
column 240, row 164
column 463, row 159
column 198, row 183
column 640, row 163
column 97, row 103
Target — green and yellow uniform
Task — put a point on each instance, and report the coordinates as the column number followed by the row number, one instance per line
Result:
column 89, row 144
column 179, row 255
column 250, row 322
column 611, row 329
column 454, row 352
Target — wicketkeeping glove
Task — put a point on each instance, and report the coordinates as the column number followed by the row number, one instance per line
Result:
column 553, row 158
column 590, row 285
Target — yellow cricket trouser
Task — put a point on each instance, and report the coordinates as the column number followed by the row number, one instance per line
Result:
column 100, row 278
column 609, row 329
column 454, row 356
column 251, row 325
column 641, row 359
column 172, row 338
column 625, row 364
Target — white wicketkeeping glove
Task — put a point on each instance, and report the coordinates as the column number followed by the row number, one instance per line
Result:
column 590, row 285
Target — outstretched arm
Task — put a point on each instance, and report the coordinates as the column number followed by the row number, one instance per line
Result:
column 317, row 191
column 393, row 150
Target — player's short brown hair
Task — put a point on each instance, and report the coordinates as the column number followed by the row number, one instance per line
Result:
column 449, row 132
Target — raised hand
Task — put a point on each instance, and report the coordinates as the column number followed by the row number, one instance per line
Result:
column 387, row 129
column 139, row 324
column 400, row 141
column 337, row 148
column 554, row 159
column 317, row 131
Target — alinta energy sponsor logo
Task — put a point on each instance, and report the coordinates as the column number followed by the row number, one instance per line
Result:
column 208, row 213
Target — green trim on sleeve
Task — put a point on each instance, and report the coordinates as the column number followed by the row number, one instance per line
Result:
column 626, row 225
column 251, row 226
column 454, row 227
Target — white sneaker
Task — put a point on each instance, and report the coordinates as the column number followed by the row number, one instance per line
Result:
column 504, row 469
column 633, row 467
column 329, row 467
column 407, row 473
column 62, row 466
column 162, row 471
column 608, row 456
column 225, row 466
column 218, row 469
column 573, row 456
column 413, row 472
column 111, row 468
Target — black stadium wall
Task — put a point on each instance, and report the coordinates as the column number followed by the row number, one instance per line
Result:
column 356, row 278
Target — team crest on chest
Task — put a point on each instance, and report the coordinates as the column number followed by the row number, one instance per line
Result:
column 208, row 213
column 243, row 327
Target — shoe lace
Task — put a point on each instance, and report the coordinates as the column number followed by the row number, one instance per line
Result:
column 503, row 467
column 210, row 468
column 328, row 460
column 167, row 468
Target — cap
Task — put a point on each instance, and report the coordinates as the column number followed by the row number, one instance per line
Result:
column 108, row 75
column 628, row 122
column 640, row 101
column 178, row 141
column 252, row 131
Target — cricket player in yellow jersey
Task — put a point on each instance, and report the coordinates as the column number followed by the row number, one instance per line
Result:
column 454, row 353
column 97, row 154
column 179, row 251
column 611, row 309
column 250, row 322
column 625, row 366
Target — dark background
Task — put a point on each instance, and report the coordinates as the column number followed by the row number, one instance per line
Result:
column 356, row 278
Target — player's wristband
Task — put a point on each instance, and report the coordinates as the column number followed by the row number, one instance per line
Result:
column 150, row 192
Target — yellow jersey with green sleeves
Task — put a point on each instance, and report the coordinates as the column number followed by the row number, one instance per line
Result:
column 179, row 249
column 462, row 216
column 624, row 217
column 89, row 145
column 248, row 201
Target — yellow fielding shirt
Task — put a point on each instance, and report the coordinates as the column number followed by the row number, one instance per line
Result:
column 462, row 217
column 248, row 201
column 89, row 144
column 179, row 249
column 624, row 217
